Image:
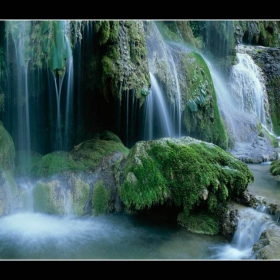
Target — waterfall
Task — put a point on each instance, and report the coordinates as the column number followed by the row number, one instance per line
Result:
column 251, row 224
column 165, row 119
column 58, row 133
column 248, row 88
column 22, row 114
column 158, row 121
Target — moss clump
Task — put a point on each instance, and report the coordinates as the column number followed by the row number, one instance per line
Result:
column 200, row 222
column 187, row 173
column 7, row 150
column 25, row 162
column 8, row 192
column 100, row 198
column 201, row 115
column 275, row 167
column 80, row 195
column 54, row 197
column 54, row 163
column 44, row 200
column 91, row 153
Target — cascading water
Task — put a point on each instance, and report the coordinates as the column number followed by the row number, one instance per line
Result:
column 158, row 121
column 19, row 40
column 247, row 86
column 251, row 224
column 162, row 64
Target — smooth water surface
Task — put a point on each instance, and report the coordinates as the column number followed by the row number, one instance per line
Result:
column 265, row 184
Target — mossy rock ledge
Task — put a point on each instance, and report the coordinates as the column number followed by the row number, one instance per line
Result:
column 82, row 181
column 197, row 178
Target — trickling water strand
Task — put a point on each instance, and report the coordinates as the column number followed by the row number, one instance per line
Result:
column 58, row 87
column 163, row 120
column 160, row 53
column 22, row 91
column 149, row 119
column 69, row 102
column 178, row 97
column 28, row 144
column 127, row 116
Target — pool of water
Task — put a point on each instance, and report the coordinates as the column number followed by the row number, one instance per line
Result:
column 33, row 236
column 265, row 184
column 114, row 236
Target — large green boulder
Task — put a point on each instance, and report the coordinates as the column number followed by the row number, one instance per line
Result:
column 192, row 175
column 7, row 149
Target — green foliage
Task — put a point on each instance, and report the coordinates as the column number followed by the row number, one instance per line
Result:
column 100, row 198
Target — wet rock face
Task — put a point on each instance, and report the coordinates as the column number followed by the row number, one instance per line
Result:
column 268, row 246
column 229, row 222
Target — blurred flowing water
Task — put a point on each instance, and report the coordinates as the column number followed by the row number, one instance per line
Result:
column 121, row 236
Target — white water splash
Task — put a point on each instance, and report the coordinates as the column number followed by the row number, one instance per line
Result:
column 251, row 224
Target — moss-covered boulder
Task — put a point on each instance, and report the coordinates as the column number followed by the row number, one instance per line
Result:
column 25, row 162
column 7, row 150
column 93, row 154
column 64, row 193
column 82, row 181
column 192, row 175
column 53, row 163
column 9, row 193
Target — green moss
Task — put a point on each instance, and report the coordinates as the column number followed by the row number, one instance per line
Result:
column 7, row 150
column 124, row 60
column 275, row 167
column 201, row 116
column 53, row 163
column 100, row 198
column 178, row 31
column 25, row 162
column 91, row 153
column 144, row 185
column 44, row 199
column 201, row 223
column 80, row 194
column 55, row 198
column 2, row 98
column 166, row 171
